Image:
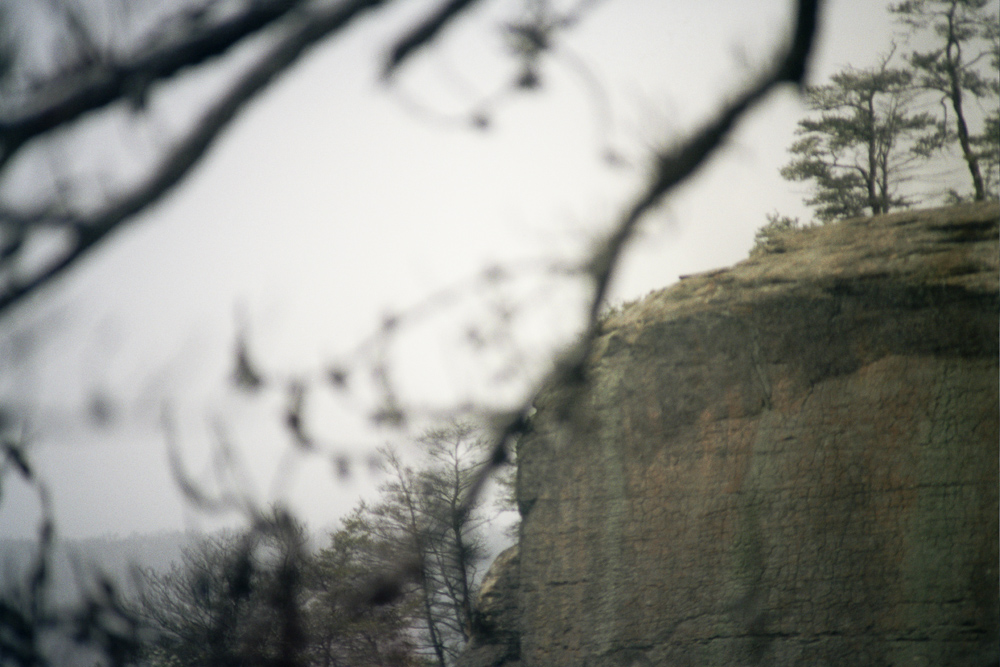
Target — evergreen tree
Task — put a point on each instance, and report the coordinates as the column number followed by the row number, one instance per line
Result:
column 767, row 238
column 863, row 143
column 343, row 628
column 966, row 35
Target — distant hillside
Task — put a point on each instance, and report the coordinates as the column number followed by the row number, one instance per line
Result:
column 79, row 563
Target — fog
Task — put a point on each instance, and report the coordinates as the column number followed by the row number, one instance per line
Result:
column 337, row 200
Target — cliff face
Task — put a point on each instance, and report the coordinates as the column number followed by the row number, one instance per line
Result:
column 790, row 462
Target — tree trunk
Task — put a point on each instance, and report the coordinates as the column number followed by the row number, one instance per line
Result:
column 952, row 61
column 872, row 176
column 461, row 557
column 436, row 641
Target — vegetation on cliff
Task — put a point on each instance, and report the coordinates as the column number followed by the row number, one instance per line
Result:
column 889, row 137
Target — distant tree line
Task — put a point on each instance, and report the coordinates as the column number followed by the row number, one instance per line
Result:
column 262, row 597
column 872, row 132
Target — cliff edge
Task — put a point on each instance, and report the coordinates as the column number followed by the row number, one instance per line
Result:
column 793, row 461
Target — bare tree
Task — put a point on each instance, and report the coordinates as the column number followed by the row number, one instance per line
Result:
column 423, row 512
column 234, row 599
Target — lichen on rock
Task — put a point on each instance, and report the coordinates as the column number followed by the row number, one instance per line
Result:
column 791, row 461
column 495, row 638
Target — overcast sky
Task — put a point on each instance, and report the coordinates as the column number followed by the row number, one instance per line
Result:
column 333, row 202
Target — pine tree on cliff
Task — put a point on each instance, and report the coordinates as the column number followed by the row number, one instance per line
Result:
column 967, row 46
column 864, row 143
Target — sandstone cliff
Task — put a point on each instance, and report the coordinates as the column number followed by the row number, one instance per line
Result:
column 790, row 462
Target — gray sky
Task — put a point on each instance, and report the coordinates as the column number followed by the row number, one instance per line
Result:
column 331, row 203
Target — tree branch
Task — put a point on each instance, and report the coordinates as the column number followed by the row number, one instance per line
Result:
column 105, row 84
column 669, row 170
column 187, row 153
column 672, row 168
column 424, row 33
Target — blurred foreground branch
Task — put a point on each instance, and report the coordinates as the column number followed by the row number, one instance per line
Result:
column 669, row 168
column 289, row 30
column 61, row 101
